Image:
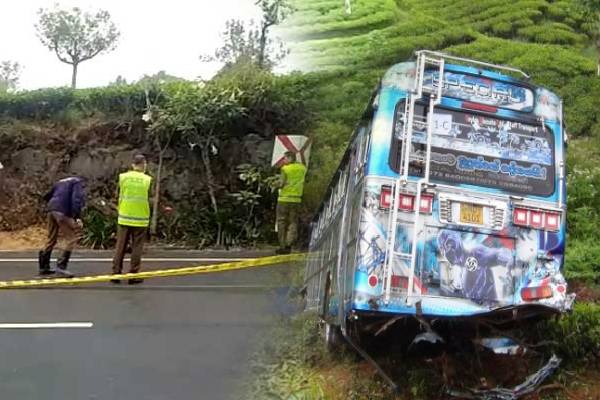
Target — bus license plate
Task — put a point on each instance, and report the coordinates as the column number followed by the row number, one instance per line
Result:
column 471, row 214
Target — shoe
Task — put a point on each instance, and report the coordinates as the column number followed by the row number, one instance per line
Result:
column 135, row 281
column 61, row 265
column 115, row 281
column 44, row 261
column 283, row 250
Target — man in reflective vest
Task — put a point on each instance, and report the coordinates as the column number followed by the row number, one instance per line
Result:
column 134, row 216
column 289, row 201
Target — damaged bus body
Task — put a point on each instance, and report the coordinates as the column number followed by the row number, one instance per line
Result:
column 449, row 202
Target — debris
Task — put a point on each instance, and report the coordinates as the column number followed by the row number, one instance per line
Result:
column 528, row 386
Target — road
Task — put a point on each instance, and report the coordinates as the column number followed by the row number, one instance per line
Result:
column 169, row 338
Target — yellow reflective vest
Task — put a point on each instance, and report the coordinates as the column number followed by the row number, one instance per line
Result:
column 134, row 208
column 294, row 174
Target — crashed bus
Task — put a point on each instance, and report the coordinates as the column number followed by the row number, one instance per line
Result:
column 449, row 203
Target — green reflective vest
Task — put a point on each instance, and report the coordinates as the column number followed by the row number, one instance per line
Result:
column 134, row 209
column 292, row 191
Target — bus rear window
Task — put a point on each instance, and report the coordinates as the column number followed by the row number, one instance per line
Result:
column 479, row 150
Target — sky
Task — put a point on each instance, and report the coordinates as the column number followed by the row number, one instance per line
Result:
column 155, row 35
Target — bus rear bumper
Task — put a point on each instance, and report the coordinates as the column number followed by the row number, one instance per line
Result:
column 440, row 307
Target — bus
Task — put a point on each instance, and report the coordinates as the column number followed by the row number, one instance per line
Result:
column 449, row 203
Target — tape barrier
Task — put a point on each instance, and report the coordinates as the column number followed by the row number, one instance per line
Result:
column 203, row 269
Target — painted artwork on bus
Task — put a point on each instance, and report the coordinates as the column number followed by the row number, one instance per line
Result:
column 481, row 271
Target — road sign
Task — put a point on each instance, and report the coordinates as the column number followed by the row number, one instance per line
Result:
column 297, row 143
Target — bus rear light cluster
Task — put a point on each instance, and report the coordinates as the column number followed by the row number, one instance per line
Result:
column 536, row 293
column 536, row 219
column 406, row 201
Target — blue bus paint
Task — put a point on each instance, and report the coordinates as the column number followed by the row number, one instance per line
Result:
column 463, row 270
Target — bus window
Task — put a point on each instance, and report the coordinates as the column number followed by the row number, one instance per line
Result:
column 471, row 148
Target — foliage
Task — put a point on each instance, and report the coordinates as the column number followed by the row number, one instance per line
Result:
column 10, row 72
column 76, row 36
column 99, row 229
column 576, row 336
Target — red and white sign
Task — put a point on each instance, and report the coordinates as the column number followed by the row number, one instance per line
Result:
column 296, row 143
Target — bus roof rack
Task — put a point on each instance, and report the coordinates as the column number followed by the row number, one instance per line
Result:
column 431, row 53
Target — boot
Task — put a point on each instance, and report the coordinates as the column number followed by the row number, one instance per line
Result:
column 44, row 261
column 61, row 265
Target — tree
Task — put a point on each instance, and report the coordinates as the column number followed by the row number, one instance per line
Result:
column 592, row 8
column 119, row 81
column 159, row 78
column 249, row 43
column 273, row 13
column 76, row 36
column 201, row 116
column 9, row 75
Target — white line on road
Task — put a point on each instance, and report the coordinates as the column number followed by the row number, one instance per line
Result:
column 47, row 325
column 30, row 260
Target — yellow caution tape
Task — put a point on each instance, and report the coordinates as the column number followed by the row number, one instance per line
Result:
column 202, row 269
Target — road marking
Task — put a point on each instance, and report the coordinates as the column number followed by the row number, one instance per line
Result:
column 31, row 260
column 47, row 325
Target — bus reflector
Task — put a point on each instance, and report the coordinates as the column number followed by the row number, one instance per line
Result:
column 399, row 281
column 536, row 219
column 535, row 293
column 373, row 281
column 479, row 107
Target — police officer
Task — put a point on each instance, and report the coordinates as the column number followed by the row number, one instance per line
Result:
column 134, row 216
column 289, row 201
column 65, row 203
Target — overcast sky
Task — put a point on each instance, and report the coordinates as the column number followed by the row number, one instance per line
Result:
column 155, row 35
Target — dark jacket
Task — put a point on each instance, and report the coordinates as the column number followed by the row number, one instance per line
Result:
column 67, row 196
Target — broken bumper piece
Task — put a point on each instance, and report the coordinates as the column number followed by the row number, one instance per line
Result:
column 532, row 382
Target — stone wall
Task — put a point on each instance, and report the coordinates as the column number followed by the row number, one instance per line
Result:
column 100, row 152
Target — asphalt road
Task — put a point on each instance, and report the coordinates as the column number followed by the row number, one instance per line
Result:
column 169, row 338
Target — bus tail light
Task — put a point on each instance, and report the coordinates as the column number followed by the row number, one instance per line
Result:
column 426, row 203
column 552, row 221
column 536, row 219
column 406, row 201
column 385, row 197
column 536, row 293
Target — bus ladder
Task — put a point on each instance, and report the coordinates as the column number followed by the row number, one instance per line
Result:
column 424, row 59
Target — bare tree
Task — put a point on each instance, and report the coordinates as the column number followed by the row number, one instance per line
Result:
column 76, row 36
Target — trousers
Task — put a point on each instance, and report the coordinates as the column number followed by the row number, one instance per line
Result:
column 287, row 223
column 60, row 223
column 137, row 235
